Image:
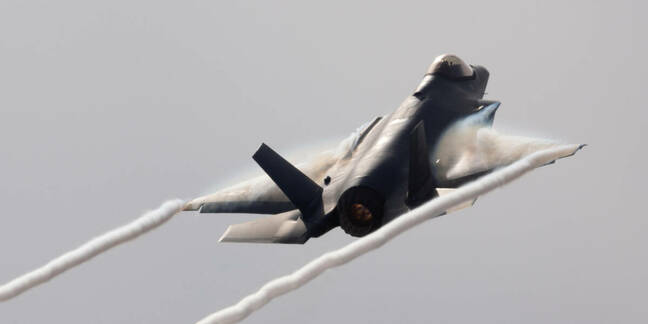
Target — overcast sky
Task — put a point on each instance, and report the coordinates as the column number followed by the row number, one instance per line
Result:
column 108, row 108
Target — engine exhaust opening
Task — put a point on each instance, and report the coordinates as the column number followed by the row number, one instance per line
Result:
column 360, row 211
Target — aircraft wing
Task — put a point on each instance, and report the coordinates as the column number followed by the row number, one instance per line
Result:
column 449, row 185
column 262, row 196
column 259, row 195
column 470, row 149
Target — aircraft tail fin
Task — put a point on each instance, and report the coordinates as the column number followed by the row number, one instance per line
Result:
column 303, row 192
column 421, row 185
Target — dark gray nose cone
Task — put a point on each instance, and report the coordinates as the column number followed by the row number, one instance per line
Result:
column 452, row 67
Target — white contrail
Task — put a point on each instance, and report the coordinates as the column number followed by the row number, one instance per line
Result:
column 85, row 252
column 432, row 209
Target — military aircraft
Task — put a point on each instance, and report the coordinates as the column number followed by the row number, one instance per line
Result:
column 384, row 170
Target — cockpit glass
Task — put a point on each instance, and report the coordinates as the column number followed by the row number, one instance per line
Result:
column 451, row 67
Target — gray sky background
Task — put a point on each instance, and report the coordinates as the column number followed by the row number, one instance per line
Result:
column 108, row 108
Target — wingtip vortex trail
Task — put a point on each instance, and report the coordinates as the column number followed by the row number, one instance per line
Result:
column 300, row 277
column 92, row 248
column 429, row 210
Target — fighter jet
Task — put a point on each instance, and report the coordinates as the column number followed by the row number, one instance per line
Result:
column 383, row 170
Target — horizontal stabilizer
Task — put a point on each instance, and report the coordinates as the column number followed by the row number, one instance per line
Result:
column 282, row 228
column 460, row 206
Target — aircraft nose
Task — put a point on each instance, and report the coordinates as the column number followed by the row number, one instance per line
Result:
column 450, row 66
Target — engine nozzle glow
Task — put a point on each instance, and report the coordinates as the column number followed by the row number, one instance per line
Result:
column 361, row 213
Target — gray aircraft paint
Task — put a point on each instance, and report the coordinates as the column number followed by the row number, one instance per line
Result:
column 373, row 171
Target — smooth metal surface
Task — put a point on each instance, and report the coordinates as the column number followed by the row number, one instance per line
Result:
column 385, row 171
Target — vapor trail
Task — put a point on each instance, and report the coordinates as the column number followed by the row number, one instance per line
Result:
column 85, row 252
column 432, row 209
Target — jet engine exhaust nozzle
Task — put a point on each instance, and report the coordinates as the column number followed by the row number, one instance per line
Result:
column 360, row 211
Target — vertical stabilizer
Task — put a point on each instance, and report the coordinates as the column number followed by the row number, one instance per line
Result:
column 303, row 192
column 421, row 183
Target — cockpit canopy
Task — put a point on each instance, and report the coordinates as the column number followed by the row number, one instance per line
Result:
column 451, row 66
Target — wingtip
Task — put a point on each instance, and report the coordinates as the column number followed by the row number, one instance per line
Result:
column 193, row 205
column 572, row 151
column 578, row 148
